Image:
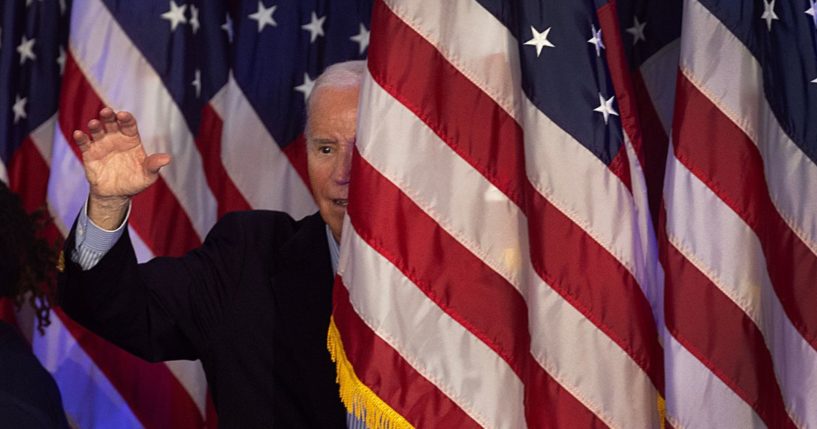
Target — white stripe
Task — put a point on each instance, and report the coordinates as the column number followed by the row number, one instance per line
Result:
column 67, row 186
column 499, row 237
column 123, row 79
column 696, row 398
column 4, row 175
column 142, row 251
column 254, row 160
column 717, row 241
column 659, row 73
column 737, row 89
column 43, row 138
column 89, row 398
column 439, row 348
column 191, row 376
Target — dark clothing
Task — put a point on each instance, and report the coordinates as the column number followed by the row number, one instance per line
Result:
column 29, row 398
column 253, row 303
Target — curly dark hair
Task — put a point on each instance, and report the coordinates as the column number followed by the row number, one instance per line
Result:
column 27, row 263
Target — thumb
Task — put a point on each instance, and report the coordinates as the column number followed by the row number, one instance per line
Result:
column 156, row 161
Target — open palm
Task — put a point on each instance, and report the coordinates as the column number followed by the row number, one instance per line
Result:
column 115, row 161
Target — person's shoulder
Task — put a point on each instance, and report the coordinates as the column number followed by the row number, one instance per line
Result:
column 261, row 217
column 265, row 222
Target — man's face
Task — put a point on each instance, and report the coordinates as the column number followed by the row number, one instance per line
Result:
column 329, row 151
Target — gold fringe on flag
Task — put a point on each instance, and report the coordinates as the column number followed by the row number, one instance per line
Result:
column 359, row 400
column 662, row 411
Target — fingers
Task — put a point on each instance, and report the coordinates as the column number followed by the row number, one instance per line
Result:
column 127, row 124
column 112, row 122
column 155, row 162
column 108, row 119
column 82, row 140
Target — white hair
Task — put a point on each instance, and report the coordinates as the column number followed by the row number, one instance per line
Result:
column 348, row 74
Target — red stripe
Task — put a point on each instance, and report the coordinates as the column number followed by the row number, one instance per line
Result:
column 720, row 335
column 8, row 313
column 151, row 391
column 384, row 371
column 208, row 140
column 28, row 175
column 716, row 151
column 156, row 213
column 620, row 166
column 451, row 105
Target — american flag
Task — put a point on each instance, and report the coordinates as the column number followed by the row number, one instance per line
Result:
column 740, row 250
column 583, row 214
column 524, row 246
column 220, row 86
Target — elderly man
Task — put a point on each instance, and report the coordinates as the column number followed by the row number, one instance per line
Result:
column 253, row 302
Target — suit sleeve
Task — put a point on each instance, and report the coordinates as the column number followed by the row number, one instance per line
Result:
column 167, row 308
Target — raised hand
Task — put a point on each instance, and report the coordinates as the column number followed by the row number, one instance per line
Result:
column 116, row 165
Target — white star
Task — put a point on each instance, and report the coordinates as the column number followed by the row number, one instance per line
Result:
column 596, row 40
column 315, row 27
column 264, row 16
column 26, row 50
column 606, row 107
column 175, row 15
column 19, row 108
column 813, row 10
column 540, row 40
column 61, row 60
column 306, row 87
column 814, row 81
column 768, row 13
column 362, row 38
column 228, row 27
column 197, row 83
column 194, row 18
column 637, row 30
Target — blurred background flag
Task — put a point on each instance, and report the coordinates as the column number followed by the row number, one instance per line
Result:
column 219, row 85
column 740, row 246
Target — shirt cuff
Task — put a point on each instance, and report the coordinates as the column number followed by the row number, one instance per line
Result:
column 92, row 242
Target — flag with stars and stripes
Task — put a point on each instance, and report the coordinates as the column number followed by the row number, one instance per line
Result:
column 583, row 214
column 220, row 86
column 740, row 245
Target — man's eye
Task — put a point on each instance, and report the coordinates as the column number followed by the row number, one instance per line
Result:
column 325, row 150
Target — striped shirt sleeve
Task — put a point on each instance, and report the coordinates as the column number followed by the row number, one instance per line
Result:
column 93, row 242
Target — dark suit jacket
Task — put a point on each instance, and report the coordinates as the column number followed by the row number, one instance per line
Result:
column 29, row 398
column 253, row 303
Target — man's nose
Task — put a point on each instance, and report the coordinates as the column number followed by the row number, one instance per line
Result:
column 343, row 166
